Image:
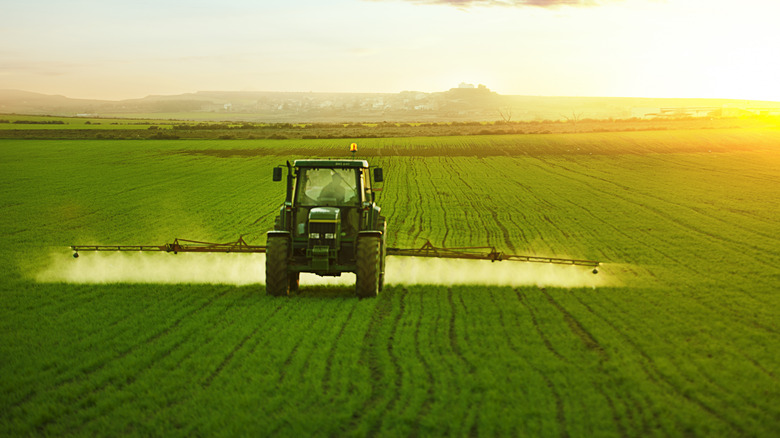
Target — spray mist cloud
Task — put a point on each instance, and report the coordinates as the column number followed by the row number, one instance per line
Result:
column 246, row 269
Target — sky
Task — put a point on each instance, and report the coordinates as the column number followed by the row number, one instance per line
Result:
column 107, row 49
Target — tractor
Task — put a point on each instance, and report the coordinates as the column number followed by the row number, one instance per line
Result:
column 329, row 224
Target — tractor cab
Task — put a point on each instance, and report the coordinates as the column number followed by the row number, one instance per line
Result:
column 330, row 192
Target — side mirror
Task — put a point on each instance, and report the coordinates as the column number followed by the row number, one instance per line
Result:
column 378, row 175
column 277, row 173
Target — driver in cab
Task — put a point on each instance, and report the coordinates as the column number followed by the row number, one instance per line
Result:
column 335, row 189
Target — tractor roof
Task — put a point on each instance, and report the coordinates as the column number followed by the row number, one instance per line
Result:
column 331, row 163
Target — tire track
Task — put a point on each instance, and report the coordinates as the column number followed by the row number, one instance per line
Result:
column 91, row 369
column 522, row 300
column 661, row 380
column 326, row 379
column 689, row 229
column 610, row 225
column 397, row 371
column 468, row 195
column 768, row 373
column 266, row 321
column 530, row 196
column 416, row 219
column 229, row 357
column 560, row 414
column 453, row 337
column 504, row 231
column 580, row 332
column 426, row 405
column 700, row 371
column 119, row 386
column 577, row 328
column 370, row 360
column 473, row 431
column 395, row 212
column 569, row 174
column 431, row 204
column 78, row 403
column 55, row 374
column 288, row 360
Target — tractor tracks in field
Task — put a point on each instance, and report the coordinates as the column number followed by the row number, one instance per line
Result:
column 456, row 348
column 207, row 381
column 577, row 328
column 416, row 220
column 91, row 369
column 371, row 352
column 327, row 374
column 219, row 369
column 568, row 173
column 474, row 207
column 82, row 401
column 592, row 345
column 326, row 388
column 291, row 356
column 706, row 376
column 654, row 374
column 523, row 301
column 410, row 215
column 518, row 201
column 453, row 336
column 394, row 360
column 560, row 413
column 425, row 408
column 97, row 335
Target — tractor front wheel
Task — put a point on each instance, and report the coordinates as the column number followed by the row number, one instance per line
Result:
column 368, row 266
column 277, row 280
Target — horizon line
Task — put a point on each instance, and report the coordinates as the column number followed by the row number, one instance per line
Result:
column 380, row 92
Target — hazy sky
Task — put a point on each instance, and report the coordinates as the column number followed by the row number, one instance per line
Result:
column 649, row 48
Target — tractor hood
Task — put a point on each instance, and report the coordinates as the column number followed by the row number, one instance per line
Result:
column 325, row 215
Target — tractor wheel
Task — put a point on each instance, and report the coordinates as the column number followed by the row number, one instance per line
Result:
column 383, row 252
column 368, row 266
column 277, row 280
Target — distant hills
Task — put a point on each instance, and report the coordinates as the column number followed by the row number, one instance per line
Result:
column 456, row 104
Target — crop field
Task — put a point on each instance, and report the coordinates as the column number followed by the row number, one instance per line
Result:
column 680, row 336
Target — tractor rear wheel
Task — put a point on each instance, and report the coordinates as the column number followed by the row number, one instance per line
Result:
column 368, row 266
column 382, row 252
column 277, row 280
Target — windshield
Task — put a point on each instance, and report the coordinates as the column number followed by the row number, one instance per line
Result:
column 327, row 187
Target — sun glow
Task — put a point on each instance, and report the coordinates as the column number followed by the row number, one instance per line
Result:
column 637, row 48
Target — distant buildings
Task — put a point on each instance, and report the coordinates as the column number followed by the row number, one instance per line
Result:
column 725, row 110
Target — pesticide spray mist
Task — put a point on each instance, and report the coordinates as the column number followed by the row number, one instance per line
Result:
column 245, row 269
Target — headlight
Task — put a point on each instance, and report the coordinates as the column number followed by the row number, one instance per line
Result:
column 314, row 235
column 330, row 235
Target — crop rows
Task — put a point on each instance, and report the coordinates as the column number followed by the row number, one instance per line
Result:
column 684, row 342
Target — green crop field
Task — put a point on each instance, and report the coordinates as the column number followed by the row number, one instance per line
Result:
column 679, row 336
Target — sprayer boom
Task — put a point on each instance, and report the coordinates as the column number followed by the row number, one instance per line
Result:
column 482, row 253
column 427, row 250
column 178, row 245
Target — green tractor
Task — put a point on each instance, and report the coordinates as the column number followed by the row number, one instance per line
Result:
column 329, row 224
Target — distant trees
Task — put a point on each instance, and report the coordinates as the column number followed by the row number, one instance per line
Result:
column 575, row 117
column 505, row 113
